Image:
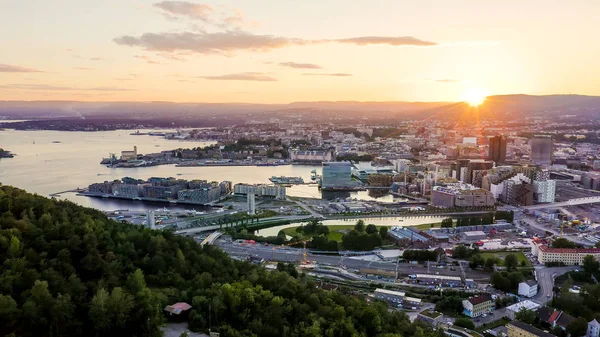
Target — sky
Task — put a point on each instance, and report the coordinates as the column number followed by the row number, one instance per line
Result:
column 281, row 51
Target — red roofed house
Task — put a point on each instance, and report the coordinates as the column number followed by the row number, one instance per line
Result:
column 568, row 256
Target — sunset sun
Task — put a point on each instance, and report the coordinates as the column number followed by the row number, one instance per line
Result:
column 474, row 96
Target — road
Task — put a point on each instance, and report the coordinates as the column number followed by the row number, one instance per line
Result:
column 545, row 278
column 288, row 254
column 571, row 202
column 307, row 208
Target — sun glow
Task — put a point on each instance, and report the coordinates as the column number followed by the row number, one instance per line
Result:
column 474, row 96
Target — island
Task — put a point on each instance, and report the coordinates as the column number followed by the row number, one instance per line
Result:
column 170, row 190
column 5, row 154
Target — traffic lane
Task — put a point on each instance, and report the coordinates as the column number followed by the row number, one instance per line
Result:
column 283, row 254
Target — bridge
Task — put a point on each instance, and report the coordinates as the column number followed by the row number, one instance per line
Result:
column 211, row 238
column 571, row 202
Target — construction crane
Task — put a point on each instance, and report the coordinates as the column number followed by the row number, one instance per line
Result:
column 304, row 261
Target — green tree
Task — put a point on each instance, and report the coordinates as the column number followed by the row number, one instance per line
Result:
column 464, row 322
column 563, row 243
column 447, row 223
column 99, row 311
column 14, row 248
column 578, row 327
column 526, row 316
column 9, row 313
column 590, row 264
column 511, row 261
column 360, row 226
column 383, row 232
column 371, row 229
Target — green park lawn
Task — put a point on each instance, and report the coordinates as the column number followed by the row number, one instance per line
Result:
column 501, row 255
column 335, row 232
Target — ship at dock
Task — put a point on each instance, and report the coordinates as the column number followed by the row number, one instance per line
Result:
column 283, row 180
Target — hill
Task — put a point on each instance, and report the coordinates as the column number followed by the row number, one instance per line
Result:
column 500, row 106
column 70, row 271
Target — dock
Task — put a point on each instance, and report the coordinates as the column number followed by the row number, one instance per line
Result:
column 77, row 190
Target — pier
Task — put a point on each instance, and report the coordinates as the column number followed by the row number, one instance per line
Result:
column 77, row 190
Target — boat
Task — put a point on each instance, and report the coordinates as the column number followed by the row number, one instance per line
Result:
column 286, row 180
column 179, row 174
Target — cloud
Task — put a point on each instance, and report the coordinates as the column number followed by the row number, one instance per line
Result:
column 230, row 41
column 146, row 58
column 59, row 88
column 231, row 18
column 7, row 68
column 300, row 65
column 250, row 76
column 184, row 8
column 448, row 80
column 326, row 74
column 386, row 40
column 82, row 68
column 207, row 43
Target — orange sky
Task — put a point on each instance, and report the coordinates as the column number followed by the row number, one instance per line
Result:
column 284, row 51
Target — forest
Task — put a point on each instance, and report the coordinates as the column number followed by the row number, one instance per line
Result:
column 70, row 271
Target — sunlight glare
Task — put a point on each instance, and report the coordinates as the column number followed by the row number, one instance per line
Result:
column 474, row 96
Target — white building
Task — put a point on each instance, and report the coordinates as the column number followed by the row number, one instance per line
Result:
column 274, row 191
column 527, row 304
column 568, row 256
column 528, row 288
column 545, row 190
column 251, row 204
column 593, row 329
column 150, row 220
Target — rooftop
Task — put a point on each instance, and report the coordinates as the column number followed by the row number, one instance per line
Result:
column 527, row 304
column 430, row 314
column 547, row 249
column 480, row 299
column 530, row 329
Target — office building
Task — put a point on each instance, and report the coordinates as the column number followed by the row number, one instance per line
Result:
column 520, row 329
column 542, row 148
column 593, row 329
column 568, row 256
column 150, row 220
column 544, row 191
column 478, row 305
column 528, row 288
column 269, row 191
column 126, row 191
column 337, row 175
column 312, row 156
column 591, row 181
column 251, row 204
column 477, row 165
column 497, row 151
column 461, row 195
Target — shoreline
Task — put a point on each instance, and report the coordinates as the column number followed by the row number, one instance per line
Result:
column 144, row 199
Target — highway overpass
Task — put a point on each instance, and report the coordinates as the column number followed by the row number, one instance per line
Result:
column 571, row 202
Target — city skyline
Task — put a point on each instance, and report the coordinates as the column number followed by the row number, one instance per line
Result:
column 281, row 52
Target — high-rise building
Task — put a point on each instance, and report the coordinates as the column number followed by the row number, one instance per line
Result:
column 251, row 204
column 150, row 220
column 541, row 150
column 498, row 149
column 337, row 174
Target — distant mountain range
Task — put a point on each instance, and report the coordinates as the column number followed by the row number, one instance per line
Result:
column 500, row 106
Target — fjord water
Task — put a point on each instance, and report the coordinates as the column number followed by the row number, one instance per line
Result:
column 48, row 162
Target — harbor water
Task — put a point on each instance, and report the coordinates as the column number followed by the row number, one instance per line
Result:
column 48, row 162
